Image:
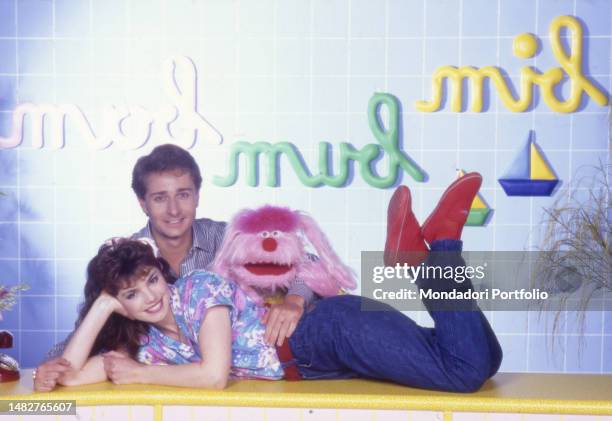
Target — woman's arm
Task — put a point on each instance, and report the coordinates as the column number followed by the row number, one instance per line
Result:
column 84, row 370
column 215, row 339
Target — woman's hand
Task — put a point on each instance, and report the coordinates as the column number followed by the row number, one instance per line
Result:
column 121, row 369
column 113, row 303
column 47, row 374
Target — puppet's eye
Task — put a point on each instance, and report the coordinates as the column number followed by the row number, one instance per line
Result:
column 264, row 234
column 275, row 233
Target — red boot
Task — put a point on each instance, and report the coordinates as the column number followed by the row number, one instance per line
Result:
column 404, row 242
column 447, row 219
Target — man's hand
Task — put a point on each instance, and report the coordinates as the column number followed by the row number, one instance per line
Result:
column 47, row 374
column 121, row 369
column 282, row 319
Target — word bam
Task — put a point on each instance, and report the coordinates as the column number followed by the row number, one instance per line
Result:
column 129, row 127
column 524, row 46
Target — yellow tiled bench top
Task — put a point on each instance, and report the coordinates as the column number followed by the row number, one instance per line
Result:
column 505, row 393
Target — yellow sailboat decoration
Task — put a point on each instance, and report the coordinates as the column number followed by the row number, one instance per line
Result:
column 529, row 174
column 479, row 211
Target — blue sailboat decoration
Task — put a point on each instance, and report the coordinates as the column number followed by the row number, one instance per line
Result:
column 529, row 174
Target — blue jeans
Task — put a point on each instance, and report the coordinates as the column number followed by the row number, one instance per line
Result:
column 338, row 340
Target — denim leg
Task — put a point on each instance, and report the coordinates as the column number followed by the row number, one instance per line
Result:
column 337, row 339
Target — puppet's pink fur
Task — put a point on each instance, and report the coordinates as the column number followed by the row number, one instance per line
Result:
column 242, row 245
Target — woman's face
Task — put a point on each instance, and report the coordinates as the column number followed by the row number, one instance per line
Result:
column 147, row 298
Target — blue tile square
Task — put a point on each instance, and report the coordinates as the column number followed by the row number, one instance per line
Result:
column 295, row 129
column 37, row 313
column 8, row 157
column 34, row 346
column 548, row 10
column 442, row 18
column 329, row 95
column 330, row 57
column 146, row 18
column 408, row 90
column 596, row 61
column 71, row 276
column 514, row 348
column 72, row 18
column 37, row 241
column 330, row 18
column 477, row 131
column 73, row 241
column 547, row 322
column 35, row 56
column 362, row 89
column 509, row 322
column 440, row 132
column 584, row 164
column 367, row 18
column 590, row 131
column 360, row 134
column 36, row 204
column 367, row 206
column 543, row 355
column 8, row 97
column 8, row 240
column 293, row 18
column 516, row 17
column 72, row 56
column 515, row 238
column 293, row 57
column 254, row 94
column 552, row 131
column 406, row 18
column 584, row 354
column 109, row 19
column 10, row 319
column 7, row 19
column 293, row 94
column 595, row 15
column 441, row 52
column 589, row 322
column 9, row 207
column 256, row 56
column 34, row 18
column 482, row 162
column 477, row 238
column 441, row 168
column 69, row 312
column 513, row 129
column 364, row 238
column 256, row 19
column 405, row 57
column 39, row 274
column 368, row 57
column 479, row 18
column 8, row 64
column 478, row 53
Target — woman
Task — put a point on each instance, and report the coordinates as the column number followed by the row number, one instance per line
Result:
column 190, row 333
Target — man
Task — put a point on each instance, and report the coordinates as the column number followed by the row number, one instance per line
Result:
column 167, row 184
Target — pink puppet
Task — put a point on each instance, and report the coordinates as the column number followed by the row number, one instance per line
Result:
column 264, row 250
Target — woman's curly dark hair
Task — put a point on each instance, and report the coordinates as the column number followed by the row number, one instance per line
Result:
column 113, row 268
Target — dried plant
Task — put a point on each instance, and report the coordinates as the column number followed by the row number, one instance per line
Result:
column 575, row 259
column 8, row 294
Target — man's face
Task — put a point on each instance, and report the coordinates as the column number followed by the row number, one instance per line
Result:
column 170, row 201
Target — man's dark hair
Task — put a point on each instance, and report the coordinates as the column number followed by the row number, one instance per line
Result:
column 163, row 158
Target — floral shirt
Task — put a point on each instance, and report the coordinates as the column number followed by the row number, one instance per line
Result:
column 190, row 298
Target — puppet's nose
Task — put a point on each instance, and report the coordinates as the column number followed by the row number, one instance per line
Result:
column 269, row 244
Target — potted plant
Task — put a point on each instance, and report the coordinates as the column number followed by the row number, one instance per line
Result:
column 9, row 368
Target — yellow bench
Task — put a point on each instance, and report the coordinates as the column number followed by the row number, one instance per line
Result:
column 507, row 393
